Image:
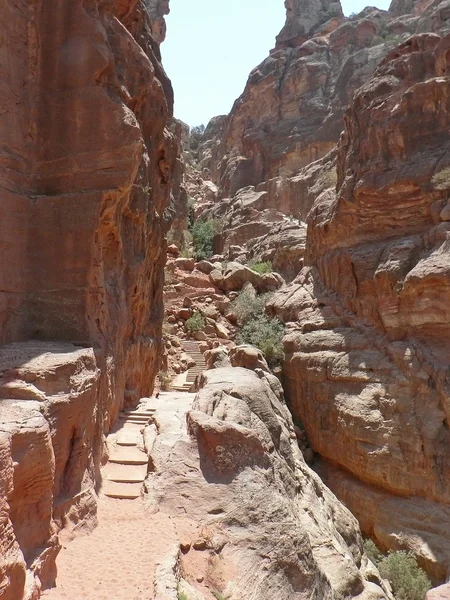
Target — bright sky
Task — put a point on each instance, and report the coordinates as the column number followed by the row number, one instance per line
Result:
column 212, row 45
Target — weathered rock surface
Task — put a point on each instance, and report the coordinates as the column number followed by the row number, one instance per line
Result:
column 251, row 517
column 50, row 439
column 366, row 350
column 291, row 111
column 85, row 182
column 84, row 203
column 440, row 593
column 235, row 276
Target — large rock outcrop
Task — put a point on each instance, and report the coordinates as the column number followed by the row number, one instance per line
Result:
column 50, row 449
column 367, row 346
column 252, row 519
column 85, row 182
column 291, row 111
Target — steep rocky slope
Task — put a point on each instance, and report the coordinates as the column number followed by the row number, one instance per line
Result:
column 367, row 353
column 291, row 111
column 85, row 180
column 366, row 349
column 251, row 519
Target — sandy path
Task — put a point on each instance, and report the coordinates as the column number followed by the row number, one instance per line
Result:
column 117, row 560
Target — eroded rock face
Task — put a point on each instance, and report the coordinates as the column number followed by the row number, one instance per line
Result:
column 440, row 593
column 85, row 184
column 251, row 517
column 51, row 443
column 367, row 353
column 291, row 111
column 84, row 204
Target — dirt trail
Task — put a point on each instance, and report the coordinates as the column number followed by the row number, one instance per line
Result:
column 117, row 560
column 130, row 548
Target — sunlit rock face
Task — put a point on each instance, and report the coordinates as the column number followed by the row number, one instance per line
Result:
column 291, row 111
column 86, row 167
column 345, row 126
column 367, row 349
column 231, row 472
column 157, row 9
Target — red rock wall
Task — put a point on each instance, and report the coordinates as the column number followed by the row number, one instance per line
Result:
column 86, row 164
column 291, row 111
column 86, row 168
column 367, row 349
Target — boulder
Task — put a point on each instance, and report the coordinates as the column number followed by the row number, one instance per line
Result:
column 173, row 250
column 221, row 331
column 236, row 275
column 439, row 593
column 184, row 313
column 248, row 357
column 200, row 336
column 217, row 358
column 185, row 264
column 205, row 266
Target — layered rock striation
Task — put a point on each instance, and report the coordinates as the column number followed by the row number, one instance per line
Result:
column 251, row 518
column 366, row 353
column 291, row 111
column 86, row 165
column 345, row 127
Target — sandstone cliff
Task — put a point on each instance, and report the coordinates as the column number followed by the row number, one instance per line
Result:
column 85, row 181
column 345, row 126
column 367, row 356
column 291, row 111
column 250, row 518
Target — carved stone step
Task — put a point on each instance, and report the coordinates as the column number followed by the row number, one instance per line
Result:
column 124, row 491
column 129, row 456
column 125, row 473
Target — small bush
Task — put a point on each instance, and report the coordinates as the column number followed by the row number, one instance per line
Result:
column 202, row 237
column 164, row 380
column 196, row 323
column 259, row 266
column 182, row 595
column 441, row 180
column 247, row 305
column 408, row 580
column 373, row 553
column 191, row 211
column 267, row 335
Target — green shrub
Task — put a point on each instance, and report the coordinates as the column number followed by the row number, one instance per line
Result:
column 441, row 180
column 247, row 306
column 202, row 237
column 196, row 323
column 266, row 334
column 259, row 266
column 373, row 553
column 182, row 595
column 408, row 580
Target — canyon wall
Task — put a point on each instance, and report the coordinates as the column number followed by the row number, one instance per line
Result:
column 85, row 185
column 291, row 111
column 345, row 127
column 367, row 350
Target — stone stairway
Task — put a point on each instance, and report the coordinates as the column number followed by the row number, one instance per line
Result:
column 126, row 469
column 192, row 348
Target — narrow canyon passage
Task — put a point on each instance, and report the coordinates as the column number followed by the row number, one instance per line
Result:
column 288, row 260
column 122, row 556
column 117, row 560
